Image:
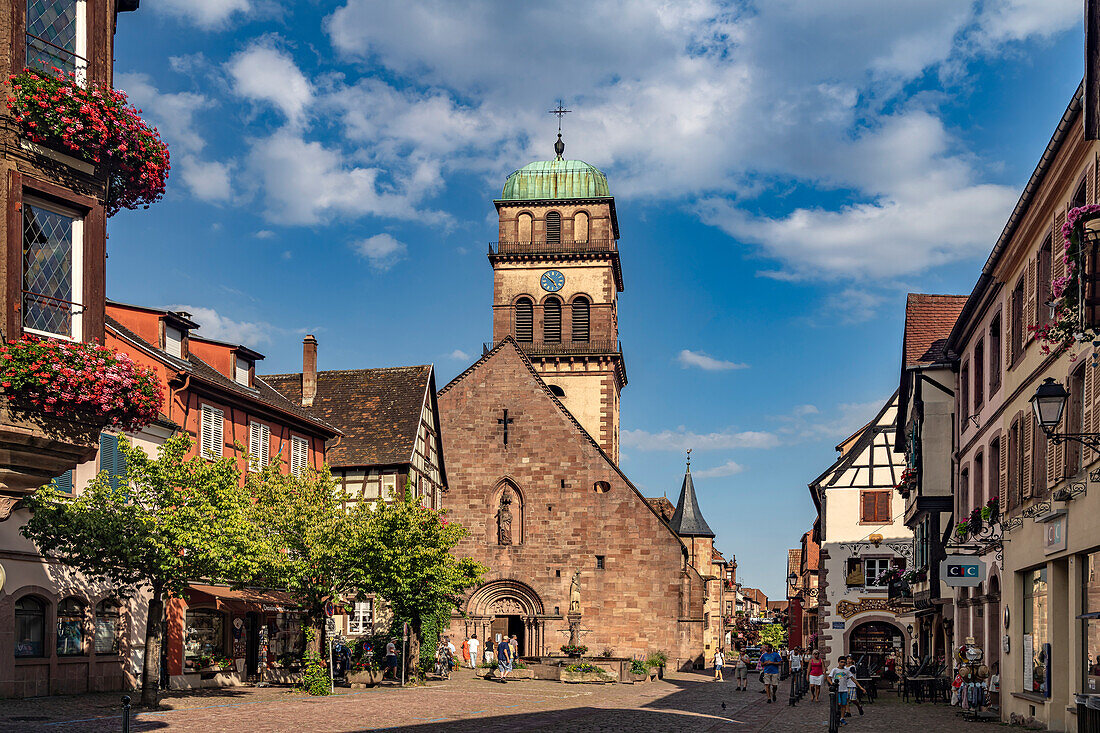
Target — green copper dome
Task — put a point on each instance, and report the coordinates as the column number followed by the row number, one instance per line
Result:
column 555, row 179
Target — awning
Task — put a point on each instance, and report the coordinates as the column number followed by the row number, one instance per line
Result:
column 1090, row 615
column 260, row 599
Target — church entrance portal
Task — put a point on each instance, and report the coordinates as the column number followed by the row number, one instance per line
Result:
column 507, row 626
column 507, row 607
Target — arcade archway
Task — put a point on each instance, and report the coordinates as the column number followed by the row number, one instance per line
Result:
column 505, row 608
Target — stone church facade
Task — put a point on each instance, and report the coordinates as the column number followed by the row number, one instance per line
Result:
column 531, row 434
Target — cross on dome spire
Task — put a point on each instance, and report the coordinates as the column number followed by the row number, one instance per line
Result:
column 561, row 111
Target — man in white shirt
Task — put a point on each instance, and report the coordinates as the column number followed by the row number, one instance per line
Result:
column 474, row 645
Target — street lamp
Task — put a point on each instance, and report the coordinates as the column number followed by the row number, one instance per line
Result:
column 1049, row 405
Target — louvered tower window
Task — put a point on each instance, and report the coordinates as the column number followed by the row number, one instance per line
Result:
column 551, row 321
column 553, row 227
column 525, row 320
column 581, row 329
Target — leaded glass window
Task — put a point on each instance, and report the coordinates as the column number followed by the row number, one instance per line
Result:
column 52, row 271
column 56, row 33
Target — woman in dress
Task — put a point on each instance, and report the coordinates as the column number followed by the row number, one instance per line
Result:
column 817, row 676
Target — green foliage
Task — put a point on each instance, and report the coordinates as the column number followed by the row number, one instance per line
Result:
column 585, row 667
column 637, row 666
column 178, row 519
column 430, row 636
column 658, row 658
column 773, row 634
column 315, row 679
column 607, row 652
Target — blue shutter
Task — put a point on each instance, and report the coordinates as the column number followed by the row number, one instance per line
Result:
column 64, row 482
column 111, row 459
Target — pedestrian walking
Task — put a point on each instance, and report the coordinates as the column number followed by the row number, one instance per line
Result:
column 841, row 674
column 513, row 647
column 719, row 662
column 853, row 687
column 453, row 653
column 796, row 664
column 504, row 658
column 817, row 676
column 391, row 658
column 740, row 670
column 770, row 662
column 474, row 646
column 466, row 652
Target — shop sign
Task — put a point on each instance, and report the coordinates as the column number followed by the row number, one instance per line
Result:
column 1054, row 531
column 962, row 571
column 839, row 625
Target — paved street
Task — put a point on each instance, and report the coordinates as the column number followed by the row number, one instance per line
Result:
column 468, row 704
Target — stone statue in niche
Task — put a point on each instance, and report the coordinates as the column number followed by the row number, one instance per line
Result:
column 504, row 518
column 575, row 593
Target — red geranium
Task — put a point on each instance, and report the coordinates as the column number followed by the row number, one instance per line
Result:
column 95, row 123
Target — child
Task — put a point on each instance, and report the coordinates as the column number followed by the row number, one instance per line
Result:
column 840, row 674
column 853, row 695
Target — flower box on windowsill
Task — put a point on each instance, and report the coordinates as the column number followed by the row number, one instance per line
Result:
column 57, row 156
column 36, row 447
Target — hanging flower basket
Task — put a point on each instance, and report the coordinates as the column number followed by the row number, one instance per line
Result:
column 94, row 123
column 1066, row 326
column 80, row 381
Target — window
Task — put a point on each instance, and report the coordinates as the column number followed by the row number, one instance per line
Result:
column 389, row 487
column 108, row 626
column 1014, row 467
column 994, row 354
column 70, row 627
column 299, row 455
column 979, row 375
column 288, row 635
column 556, row 390
column 1079, row 196
column 1017, row 323
column 259, row 446
column 211, row 441
column 242, row 372
column 964, row 494
column 1035, row 631
column 581, row 319
column 57, row 35
column 874, row 507
column 979, row 480
column 361, row 619
column 525, row 320
column 1090, row 603
column 964, row 397
column 600, row 562
column 601, row 487
column 523, row 228
column 204, row 638
column 53, row 270
column 995, row 468
column 173, row 342
column 553, row 227
column 1042, row 282
column 30, row 627
column 875, row 567
column 551, row 321
column 580, row 227
column 112, row 460
column 1038, row 458
column 63, row 483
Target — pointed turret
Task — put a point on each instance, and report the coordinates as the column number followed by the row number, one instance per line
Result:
column 688, row 520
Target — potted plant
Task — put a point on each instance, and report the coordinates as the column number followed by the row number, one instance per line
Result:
column 962, row 529
column 364, row 673
column 574, row 650
column 989, row 511
column 657, row 660
column 585, row 673
column 639, row 670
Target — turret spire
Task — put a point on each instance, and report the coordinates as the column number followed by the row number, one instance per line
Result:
column 688, row 520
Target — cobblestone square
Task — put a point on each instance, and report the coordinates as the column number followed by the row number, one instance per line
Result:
column 680, row 702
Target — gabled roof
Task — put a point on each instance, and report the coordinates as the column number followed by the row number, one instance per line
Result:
column 377, row 409
column 870, row 460
column 688, row 520
column 663, row 507
column 928, row 322
column 197, row 368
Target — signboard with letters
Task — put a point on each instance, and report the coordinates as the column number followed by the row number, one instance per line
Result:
column 962, row 571
column 838, row 625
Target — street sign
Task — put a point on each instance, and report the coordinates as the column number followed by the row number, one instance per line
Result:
column 838, row 625
column 330, row 626
column 962, row 571
column 329, row 609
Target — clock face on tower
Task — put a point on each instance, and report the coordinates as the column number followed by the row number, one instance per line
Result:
column 552, row 281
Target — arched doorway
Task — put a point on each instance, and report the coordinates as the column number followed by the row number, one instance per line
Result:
column 508, row 608
column 873, row 642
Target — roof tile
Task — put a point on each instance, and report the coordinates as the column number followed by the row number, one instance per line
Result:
column 928, row 322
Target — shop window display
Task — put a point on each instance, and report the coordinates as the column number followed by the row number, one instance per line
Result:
column 286, row 635
column 107, row 626
column 205, row 638
column 70, row 627
column 1036, row 632
column 1091, row 606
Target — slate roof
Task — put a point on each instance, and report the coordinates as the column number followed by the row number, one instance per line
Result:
column 261, row 392
column 688, row 520
column 928, row 322
column 378, row 410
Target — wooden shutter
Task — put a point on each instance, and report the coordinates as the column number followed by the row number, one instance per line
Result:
column 1088, row 420
column 259, row 446
column 112, row 460
column 866, row 506
column 1058, row 266
column 1090, row 184
column 299, row 455
column 1030, row 307
column 64, row 482
column 525, row 320
column 211, row 440
column 1027, row 437
column 882, row 506
column 551, row 321
column 1002, row 488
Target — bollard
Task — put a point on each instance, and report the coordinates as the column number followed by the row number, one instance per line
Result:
column 794, row 689
column 125, row 714
column 834, row 709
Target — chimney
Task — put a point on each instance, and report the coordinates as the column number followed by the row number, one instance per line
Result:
column 309, row 370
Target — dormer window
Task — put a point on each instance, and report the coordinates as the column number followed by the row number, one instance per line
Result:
column 173, row 341
column 57, row 36
column 243, row 372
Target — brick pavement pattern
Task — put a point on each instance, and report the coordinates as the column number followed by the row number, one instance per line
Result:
column 680, row 702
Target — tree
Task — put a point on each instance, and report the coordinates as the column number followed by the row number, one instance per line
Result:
column 406, row 558
column 312, row 537
column 176, row 519
column 773, row 634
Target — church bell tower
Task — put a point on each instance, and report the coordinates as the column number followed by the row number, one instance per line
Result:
column 556, row 277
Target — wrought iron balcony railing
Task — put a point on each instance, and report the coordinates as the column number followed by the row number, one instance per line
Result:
column 565, row 348
column 537, row 248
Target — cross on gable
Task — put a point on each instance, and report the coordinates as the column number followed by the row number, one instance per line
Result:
column 505, row 421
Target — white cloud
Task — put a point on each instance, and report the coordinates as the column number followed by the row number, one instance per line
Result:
column 264, row 73
column 207, row 14
column 807, row 422
column 1014, row 20
column 682, row 439
column 459, row 355
column 729, row 468
column 216, row 326
column 383, row 251
column 701, row 360
column 264, row 234
column 208, row 180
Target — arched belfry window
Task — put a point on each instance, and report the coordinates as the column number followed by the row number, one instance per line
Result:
column 553, row 227
column 580, row 227
column 581, row 319
column 523, row 228
column 551, row 321
column 525, row 320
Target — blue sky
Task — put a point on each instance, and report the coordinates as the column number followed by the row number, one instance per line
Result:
column 784, row 172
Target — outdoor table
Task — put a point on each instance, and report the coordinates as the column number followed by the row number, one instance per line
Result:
column 922, row 686
column 870, row 684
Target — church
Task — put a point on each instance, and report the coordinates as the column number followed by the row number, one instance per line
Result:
column 531, row 435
